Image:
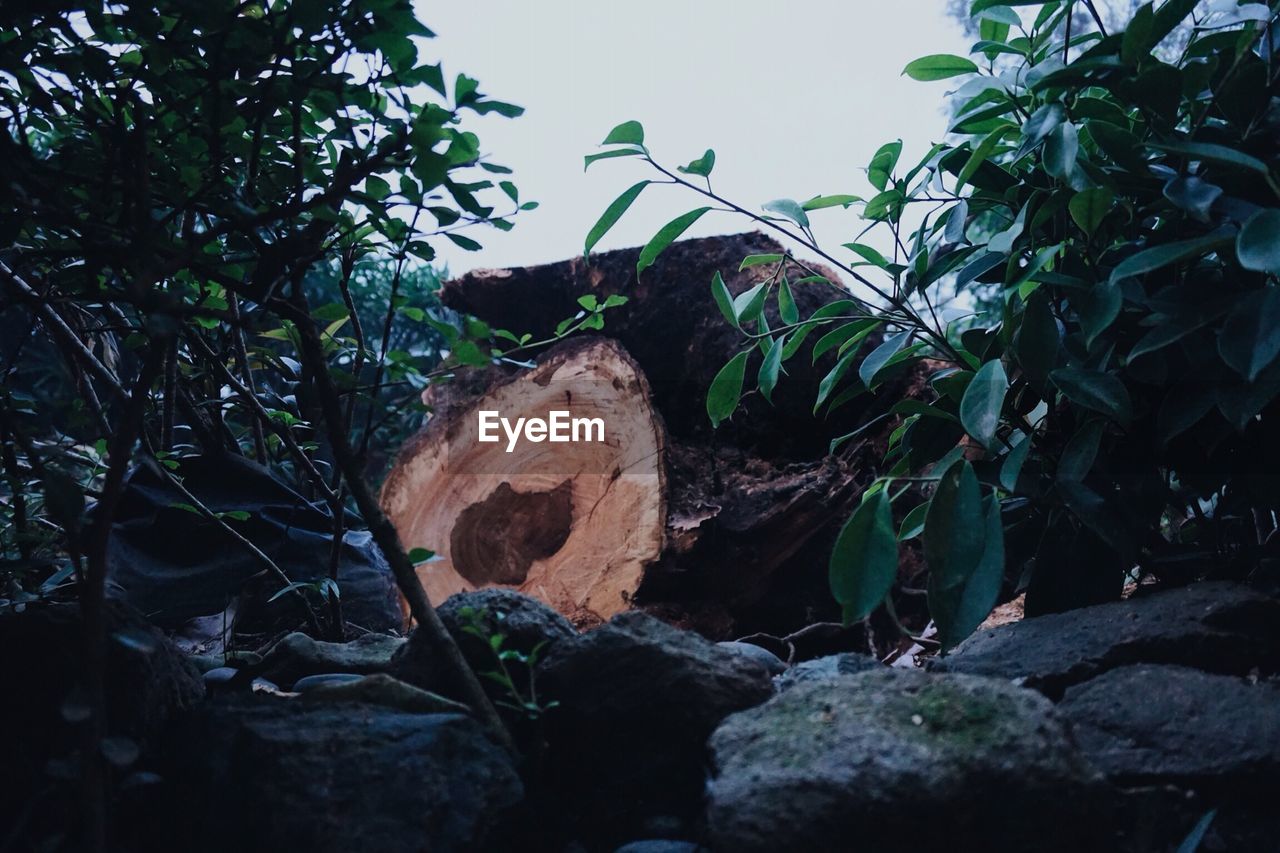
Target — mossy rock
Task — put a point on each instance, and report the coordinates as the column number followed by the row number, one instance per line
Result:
column 947, row 761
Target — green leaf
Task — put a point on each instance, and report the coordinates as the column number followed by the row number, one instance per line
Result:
column 464, row 242
column 918, row 407
column 831, row 309
column 377, row 187
column 767, row 378
column 833, row 377
column 748, row 304
column 1000, row 14
column 724, row 300
column 979, row 156
column 1170, row 253
column 1135, row 42
column 979, row 266
column 1170, row 330
column 938, row 66
column 667, row 235
column 849, row 332
column 954, row 539
column 790, row 209
column 864, row 562
column 1037, row 341
column 886, row 205
column 983, row 5
column 913, row 523
column 1170, row 14
column 1250, row 337
column 1099, row 515
column 1081, row 451
column 702, row 166
column 1183, row 407
column 1060, row 150
column 612, row 214
column 1193, row 195
column 1258, row 246
column 627, row 133
column 787, row 310
column 757, row 260
column 868, row 254
column 1191, row 843
column 983, row 401
column 726, row 389
column 420, row 555
column 1038, row 127
column 609, row 155
column 1098, row 308
column 1099, row 392
column 1089, row 207
column 821, row 202
column 881, row 356
column 1213, row 153
column 883, row 163
column 958, row 604
column 1012, row 465
column 1118, row 144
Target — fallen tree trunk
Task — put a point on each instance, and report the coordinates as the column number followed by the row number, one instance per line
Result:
column 665, row 512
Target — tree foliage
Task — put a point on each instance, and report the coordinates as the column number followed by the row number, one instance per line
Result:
column 218, row 215
column 1113, row 409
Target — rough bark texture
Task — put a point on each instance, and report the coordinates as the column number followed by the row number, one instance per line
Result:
column 673, row 329
column 724, row 512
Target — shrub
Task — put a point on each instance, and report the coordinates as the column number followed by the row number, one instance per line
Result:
column 1114, row 409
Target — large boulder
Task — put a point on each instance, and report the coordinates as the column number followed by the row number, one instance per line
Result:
column 1154, row 724
column 892, row 758
column 1209, row 741
column 527, row 626
column 637, row 699
column 265, row 774
column 1219, row 627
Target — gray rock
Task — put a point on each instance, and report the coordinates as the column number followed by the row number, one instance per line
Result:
column 949, row 762
column 1151, row 724
column 221, row 676
column 266, row 774
column 771, row 662
column 382, row 689
column 1220, row 627
column 637, row 701
column 660, row 845
column 323, row 679
column 826, row 668
column 297, row 656
column 526, row 623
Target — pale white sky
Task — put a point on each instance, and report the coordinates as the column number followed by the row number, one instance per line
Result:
column 794, row 97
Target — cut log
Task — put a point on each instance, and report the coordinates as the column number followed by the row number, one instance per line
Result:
column 667, row 513
column 574, row 523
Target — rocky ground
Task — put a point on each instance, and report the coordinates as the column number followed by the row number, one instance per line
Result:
column 1128, row 726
